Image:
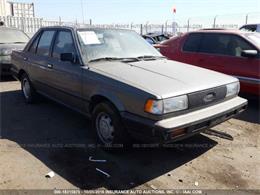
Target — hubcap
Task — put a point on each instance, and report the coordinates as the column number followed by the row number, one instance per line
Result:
column 26, row 88
column 105, row 128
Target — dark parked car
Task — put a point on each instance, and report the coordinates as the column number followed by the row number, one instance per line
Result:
column 155, row 38
column 10, row 39
column 250, row 28
column 124, row 85
column 231, row 52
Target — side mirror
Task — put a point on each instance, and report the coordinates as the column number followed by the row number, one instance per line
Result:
column 68, row 57
column 249, row 53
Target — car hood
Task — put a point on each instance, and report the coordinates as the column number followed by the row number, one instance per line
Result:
column 162, row 78
column 10, row 46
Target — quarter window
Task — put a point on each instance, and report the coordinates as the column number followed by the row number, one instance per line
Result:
column 44, row 45
column 34, row 45
column 63, row 44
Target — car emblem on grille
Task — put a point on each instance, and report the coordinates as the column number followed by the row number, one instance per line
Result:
column 209, row 97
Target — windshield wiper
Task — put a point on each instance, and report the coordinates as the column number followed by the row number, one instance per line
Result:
column 148, row 57
column 105, row 59
column 130, row 59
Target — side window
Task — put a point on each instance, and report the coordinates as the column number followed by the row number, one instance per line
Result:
column 237, row 45
column 223, row 44
column 192, row 42
column 63, row 44
column 214, row 43
column 34, row 44
column 44, row 45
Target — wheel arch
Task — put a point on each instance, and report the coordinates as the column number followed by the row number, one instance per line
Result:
column 20, row 73
column 101, row 97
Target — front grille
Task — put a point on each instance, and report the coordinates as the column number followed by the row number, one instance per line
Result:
column 206, row 97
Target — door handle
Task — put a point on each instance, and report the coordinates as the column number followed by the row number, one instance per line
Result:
column 50, row 66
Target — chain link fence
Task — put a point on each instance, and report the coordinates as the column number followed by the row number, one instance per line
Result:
column 234, row 21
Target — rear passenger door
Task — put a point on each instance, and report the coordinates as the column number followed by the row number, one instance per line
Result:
column 65, row 77
column 38, row 57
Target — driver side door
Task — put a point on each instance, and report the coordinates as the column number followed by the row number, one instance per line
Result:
column 66, row 76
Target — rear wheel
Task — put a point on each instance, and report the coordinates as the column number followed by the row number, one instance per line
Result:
column 110, row 131
column 28, row 91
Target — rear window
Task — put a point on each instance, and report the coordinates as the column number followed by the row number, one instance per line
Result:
column 192, row 43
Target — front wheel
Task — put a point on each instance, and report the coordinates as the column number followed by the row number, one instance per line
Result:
column 107, row 123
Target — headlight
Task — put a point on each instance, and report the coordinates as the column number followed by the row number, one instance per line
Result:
column 232, row 89
column 5, row 52
column 175, row 104
column 167, row 105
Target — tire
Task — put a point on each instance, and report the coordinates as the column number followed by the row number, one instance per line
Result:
column 109, row 129
column 28, row 91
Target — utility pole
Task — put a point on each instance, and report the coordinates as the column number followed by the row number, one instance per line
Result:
column 82, row 10
column 166, row 24
column 215, row 19
column 188, row 27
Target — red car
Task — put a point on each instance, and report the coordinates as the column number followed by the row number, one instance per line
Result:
column 228, row 51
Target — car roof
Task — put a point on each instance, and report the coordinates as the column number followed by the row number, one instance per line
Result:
column 218, row 30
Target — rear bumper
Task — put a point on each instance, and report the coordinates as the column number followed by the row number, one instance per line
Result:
column 183, row 126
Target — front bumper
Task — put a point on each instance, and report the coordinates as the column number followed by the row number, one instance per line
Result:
column 182, row 126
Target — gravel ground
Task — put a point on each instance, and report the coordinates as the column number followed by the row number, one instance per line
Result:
column 44, row 137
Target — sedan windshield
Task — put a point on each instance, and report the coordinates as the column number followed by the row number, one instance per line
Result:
column 12, row 36
column 107, row 44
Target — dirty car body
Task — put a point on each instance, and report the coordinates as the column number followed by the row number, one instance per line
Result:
column 125, row 85
column 10, row 40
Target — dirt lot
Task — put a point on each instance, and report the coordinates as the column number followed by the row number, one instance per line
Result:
column 43, row 137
